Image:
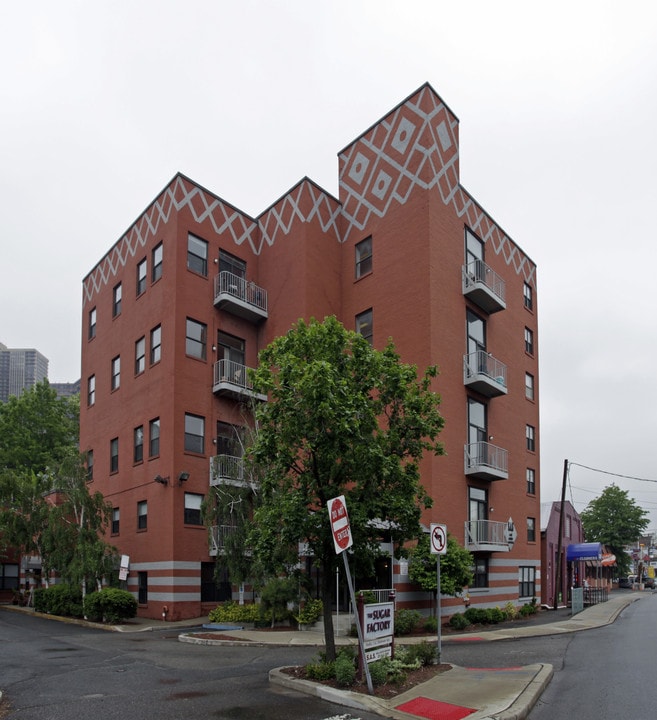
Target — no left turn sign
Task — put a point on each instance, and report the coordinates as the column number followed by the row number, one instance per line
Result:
column 438, row 539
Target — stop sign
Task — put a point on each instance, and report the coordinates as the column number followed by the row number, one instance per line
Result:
column 339, row 524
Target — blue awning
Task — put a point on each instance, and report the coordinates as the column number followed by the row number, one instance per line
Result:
column 584, row 551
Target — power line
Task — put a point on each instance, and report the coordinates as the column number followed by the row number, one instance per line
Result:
column 607, row 472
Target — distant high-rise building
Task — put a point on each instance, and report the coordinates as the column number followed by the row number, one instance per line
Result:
column 20, row 369
column 66, row 389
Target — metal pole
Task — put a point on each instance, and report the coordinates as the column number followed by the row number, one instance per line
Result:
column 359, row 629
column 337, row 597
column 438, row 604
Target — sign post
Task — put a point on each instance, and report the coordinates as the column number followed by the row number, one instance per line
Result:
column 438, row 541
column 342, row 539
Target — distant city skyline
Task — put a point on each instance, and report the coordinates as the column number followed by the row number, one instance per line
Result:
column 20, row 369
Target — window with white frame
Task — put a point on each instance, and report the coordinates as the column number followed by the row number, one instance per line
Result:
column 140, row 355
column 156, row 344
column 116, row 300
column 142, row 272
column 196, row 339
column 529, row 341
column 91, row 390
column 142, row 515
column 528, row 296
column 154, row 437
column 116, row 373
column 114, row 455
column 193, row 509
column 530, row 476
column 156, row 263
column 529, row 386
column 530, row 435
column 365, row 325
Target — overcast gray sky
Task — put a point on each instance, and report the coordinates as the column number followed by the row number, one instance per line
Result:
column 101, row 103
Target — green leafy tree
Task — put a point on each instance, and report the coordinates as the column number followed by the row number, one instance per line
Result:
column 616, row 521
column 342, row 419
column 76, row 525
column 38, row 429
column 455, row 567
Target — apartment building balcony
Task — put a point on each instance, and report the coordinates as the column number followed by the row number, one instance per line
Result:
column 484, row 286
column 486, row 536
column 485, row 461
column 231, row 379
column 218, row 536
column 226, row 470
column 240, row 297
column 484, row 373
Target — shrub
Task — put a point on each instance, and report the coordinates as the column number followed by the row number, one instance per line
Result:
column 431, row 625
column 459, row 621
column 476, row 615
column 406, row 621
column 232, row 612
column 496, row 615
column 277, row 594
column 379, row 671
column 111, row 605
column 62, row 600
column 510, row 611
column 345, row 671
column 320, row 671
column 310, row 613
column 528, row 609
column 424, row 653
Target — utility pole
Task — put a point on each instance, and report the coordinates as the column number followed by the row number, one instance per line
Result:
column 557, row 570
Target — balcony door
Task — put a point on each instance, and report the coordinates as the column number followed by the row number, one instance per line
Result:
column 477, row 424
column 478, row 510
column 474, row 250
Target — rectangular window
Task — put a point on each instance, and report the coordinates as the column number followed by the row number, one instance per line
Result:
column 138, row 454
column 527, row 582
column 480, row 573
column 116, row 372
column 194, row 433
column 142, row 271
column 154, row 437
column 567, row 528
column 529, row 341
column 229, row 263
column 116, row 301
column 116, row 516
column 156, row 263
column 531, row 481
column 530, row 434
column 90, row 465
column 197, row 255
column 364, row 257
column 117, row 295
column 529, row 386
column 531, row 529
column 142, row 587
column 140, row 355
column 231, row 349
column 92, row 323
column 196, row 339
column 142, row 515
column 91, row 390
column 528, row 296
column 365, row 325
column 156, row 344
column 193, row 509
column 9, row 576
column 229, row 439
column 114, row 455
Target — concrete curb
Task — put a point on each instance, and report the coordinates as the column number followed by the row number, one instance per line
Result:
column 523, row 705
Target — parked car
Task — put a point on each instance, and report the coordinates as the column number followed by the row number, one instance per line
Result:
column 624, row 582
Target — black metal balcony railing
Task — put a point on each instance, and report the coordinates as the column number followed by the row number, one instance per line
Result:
column 240, row 296
column 486, row 461
column 484, row 373
column 484, row 286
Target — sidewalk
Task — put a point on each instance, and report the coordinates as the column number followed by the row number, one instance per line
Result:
column 475, row 693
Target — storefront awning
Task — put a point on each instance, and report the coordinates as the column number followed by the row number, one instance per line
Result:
column 584, row 551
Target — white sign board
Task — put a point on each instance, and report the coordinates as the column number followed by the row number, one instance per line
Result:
column 378, row 653
column 340, row 528
column 378, row 621
column 438, row 539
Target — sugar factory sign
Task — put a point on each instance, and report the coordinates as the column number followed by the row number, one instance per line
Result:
column 378, row 630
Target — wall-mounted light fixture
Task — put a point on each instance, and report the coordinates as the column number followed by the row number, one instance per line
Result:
column 183, row 477
column 214, row 348
column 161, row 480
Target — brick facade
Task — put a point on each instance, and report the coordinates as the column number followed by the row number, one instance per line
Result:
column 398, row 184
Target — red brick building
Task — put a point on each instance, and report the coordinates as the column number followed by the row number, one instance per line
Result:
column 179, row 307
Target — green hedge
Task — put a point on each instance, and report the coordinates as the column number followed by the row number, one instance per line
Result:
column 64, row 600
column 110, row 605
